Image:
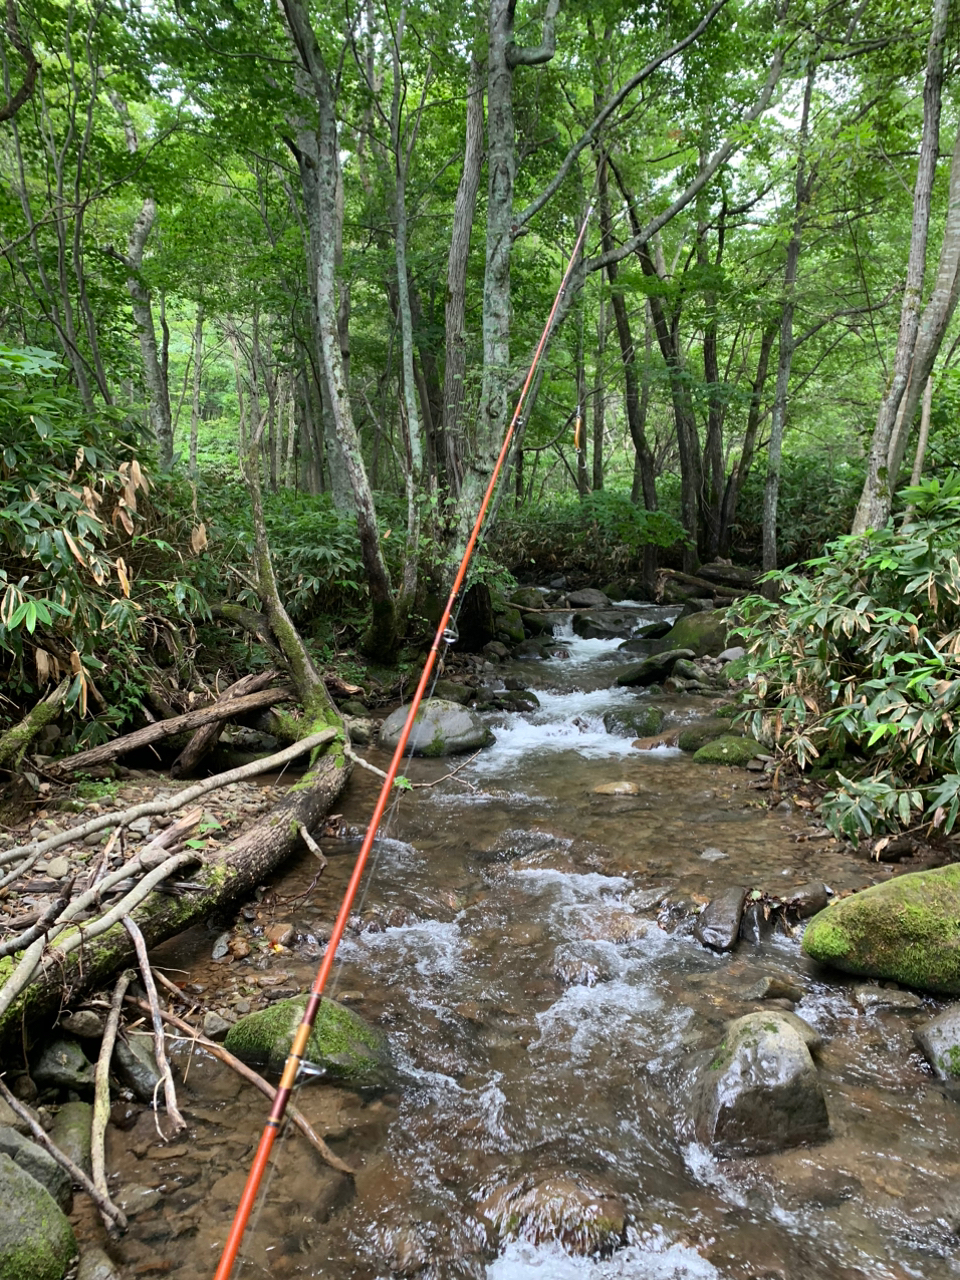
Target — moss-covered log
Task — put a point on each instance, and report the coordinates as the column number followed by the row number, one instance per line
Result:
column 228, row 874
column 14, row 742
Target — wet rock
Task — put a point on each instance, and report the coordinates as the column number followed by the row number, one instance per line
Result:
column 704, row 632
column 71, row 1132
column 604, row 624
column 728, row 750
column 510, row 626
column 96, row 1265
column 214, row 1026
column 10, row 1119
column 342, row 1045
column 545, row 623
column 40, row 1165
column 634, row 722
column 362, row 730
column 621, row 788
column 869, row 997
column 36, row 1240
column 441, row 728
column 653, row 669
column 221, row 948
column 64, row 1065
column 588, row 598
column 776, row 986
column 757, row 922
column 452, row 691
column 518, row 700
column 684, row 669
column 761, row 1091
column 807, row 900
column 939, row 1039
column 136, row 1066
column 84, row 1023
column 904, row 930
column 527, row 598
column 583, row 964
column 694, row 736
column 134, row 1200
column 580, row 1213
column 280, row 933
column 718, row 925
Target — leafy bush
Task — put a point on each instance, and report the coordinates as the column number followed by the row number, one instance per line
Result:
column 602, row 535
column 818, row 496
column 857, row 662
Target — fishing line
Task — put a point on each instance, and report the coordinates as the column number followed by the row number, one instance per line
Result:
column 298, row 1048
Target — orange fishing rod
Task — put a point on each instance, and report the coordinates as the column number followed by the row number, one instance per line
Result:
column 299, row 1046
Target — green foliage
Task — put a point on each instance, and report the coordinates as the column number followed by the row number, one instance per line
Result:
column 818, row 496
column 601, row 535
column 857, row 661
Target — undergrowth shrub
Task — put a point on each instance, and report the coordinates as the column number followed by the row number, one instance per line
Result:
column 856, row 664
column 818, row 496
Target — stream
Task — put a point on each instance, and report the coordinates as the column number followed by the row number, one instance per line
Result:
column 527, row 944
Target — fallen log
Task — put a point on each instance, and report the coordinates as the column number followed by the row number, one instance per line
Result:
column 729, row 575
column 226, row 873
column 708, row 588
column 205, row 738
column 15, row 741
column 166, row 728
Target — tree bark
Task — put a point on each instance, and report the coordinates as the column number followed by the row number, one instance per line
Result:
column 876, row 499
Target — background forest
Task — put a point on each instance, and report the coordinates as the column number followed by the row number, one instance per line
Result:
column 301, row 256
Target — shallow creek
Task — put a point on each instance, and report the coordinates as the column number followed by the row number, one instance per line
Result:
column 479, row 894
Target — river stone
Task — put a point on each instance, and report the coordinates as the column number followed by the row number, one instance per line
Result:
column 544, row 623
column 36, row 1240
column 583, row 964
column 452, row 691
column 940, row 1041
column 604, row 624
column 527, row 598
column 653, row 669
column 718, row 924
column 694, row 736
column 621, row 788
column 441, row 728
column 510, row 626
column 346, row 1047
column 64, row 1065
column 761, row 1092
column 904, row 930
column 583, row 1215
column 136, row 1066
column 588, row 598
column 732, row 654
column 703, row 633
column 96, row 1265
column 85, row 1023
column 641, row 721
column 33, row 1159
column 71, row 1132
column 728, row 749
column 684, row 669
column 807, row 900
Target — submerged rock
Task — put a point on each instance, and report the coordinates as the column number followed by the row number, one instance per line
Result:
column 36, row 1240
column 584, row 964
column 718, row 924
column 342, row 1046
column 904, row 930
column 71, row 1132
column 442, row 728
column 761, row 1092
column 728, row 749
column 580, row 1213
column 939, row 1039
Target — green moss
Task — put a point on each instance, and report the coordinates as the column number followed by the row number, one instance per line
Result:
column 437, row 745
column 36, row 1240
column 346, row 1047
column 950, row 1061
column 728, row 749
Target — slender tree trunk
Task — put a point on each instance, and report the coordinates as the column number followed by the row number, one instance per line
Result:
column 158, row 392
column 740, row 472
column 599, row 396
column 197, row 384
column 876, row 500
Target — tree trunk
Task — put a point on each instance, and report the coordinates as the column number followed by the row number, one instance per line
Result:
column 876, row 500
column 599, row 393
column 197, row 383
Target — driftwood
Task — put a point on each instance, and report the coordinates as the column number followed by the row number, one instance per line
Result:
column 177, row 1121
column 205, row 738
column 77, row 1175
column 247, row 1073
column 708, row 588
column 166, row 728
column 153, row 808
column 15, row 741
column 101, row 1095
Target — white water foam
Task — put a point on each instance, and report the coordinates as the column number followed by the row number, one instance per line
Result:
column 654, row 1258
column 430, row 948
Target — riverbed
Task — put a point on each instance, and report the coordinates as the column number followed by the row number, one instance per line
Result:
column 527, row 944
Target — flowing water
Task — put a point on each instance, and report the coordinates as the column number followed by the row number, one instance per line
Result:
column 526, row 943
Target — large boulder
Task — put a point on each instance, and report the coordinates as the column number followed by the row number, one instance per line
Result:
column 510, row 626
column 39, row 1163
column 702, row 633
column 343, row 1047
column 904, row 930
column 604, row 624
column 527, row 598
column 940, row 1041
column 580, row 1213
column 728, row 749
column 639, row 721
column 36, row 1239
column 654, row 669
column 694, row 736
column 588, row 598
column 761, row 1092
column 545, row 623
column 442, row 728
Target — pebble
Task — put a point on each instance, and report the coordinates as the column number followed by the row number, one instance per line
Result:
column 134, row 1200
column 280, row 933
column 141, row 826
column 58, row 868
column 713, row 855
column 94, row 837
column 214, row 1026
column 221, row 947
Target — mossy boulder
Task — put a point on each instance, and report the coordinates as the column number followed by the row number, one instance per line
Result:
column 452, row 691
column 36, row 1239
column 634, row 722
column 527, row 598
column 342, row 1045
column 442, row 728
column 728, row 749
column 704, row 633
column 653, row 669
column 510, row 626
column 905, row 930
column 697, row 735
